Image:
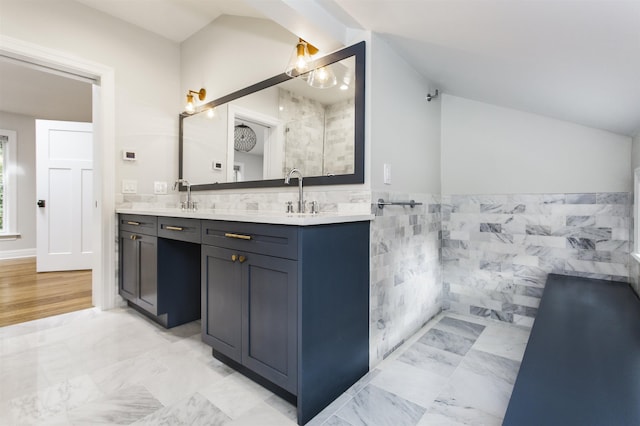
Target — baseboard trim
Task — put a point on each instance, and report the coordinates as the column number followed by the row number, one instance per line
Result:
column 17, row 254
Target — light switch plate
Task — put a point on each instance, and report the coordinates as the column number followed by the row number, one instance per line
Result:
column 387, row 174
column 129, row 186
column 159, row 187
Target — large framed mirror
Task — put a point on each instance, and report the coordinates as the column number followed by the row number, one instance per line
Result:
column 251, row 138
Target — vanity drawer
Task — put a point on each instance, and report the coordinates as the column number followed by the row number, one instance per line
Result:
column 272, row 240
column 141, row 224
column 177, row 228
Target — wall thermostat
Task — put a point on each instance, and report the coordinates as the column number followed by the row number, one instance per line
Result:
column 128, row 155
column 216, row 165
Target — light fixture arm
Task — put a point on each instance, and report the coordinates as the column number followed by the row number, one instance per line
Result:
column 434, row 96
column 202, row 94
column 190, row 107
column 310, row 47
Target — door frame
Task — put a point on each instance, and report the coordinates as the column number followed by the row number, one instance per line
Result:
column 273, row 143
column 103, row 106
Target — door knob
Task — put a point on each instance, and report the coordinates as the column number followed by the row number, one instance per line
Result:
column 234, row 257
column 242, row 259
column 40, row 203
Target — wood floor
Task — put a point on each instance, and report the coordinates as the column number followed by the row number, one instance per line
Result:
column 26, row 295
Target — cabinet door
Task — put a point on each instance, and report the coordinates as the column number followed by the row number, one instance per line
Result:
column 269, row 338
column 129, row 263
column 148, row 273
column 221, row 299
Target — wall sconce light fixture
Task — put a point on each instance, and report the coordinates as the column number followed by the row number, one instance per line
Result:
column 322, row 78
column 202, row 94
column 300, row 58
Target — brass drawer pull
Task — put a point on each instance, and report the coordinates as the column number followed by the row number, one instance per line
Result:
column 133, row 223
column 237, row 236
column 174, row 228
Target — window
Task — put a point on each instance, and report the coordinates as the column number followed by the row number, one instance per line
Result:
column 7, row 182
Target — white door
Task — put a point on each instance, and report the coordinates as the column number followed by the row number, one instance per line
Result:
column 64, row 187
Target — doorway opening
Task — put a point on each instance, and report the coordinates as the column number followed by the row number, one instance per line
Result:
column 102, row 88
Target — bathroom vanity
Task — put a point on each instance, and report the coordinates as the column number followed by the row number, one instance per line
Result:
column 284, row 299
column 159, row 267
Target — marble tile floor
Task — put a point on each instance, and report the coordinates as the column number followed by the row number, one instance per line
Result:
column 117, row 367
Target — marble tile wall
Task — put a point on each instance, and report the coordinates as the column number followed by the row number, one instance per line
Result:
column 634, row 263
column 304, row 135
column 267, row 200
column 339, row 155
column 498, row 250
column 406, row 279
column 317, row 135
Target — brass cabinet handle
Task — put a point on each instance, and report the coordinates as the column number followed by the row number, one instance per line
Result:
column 234, row 257
column 133, row 223
column 237, row 236
column 242, row 259
column 174, row 228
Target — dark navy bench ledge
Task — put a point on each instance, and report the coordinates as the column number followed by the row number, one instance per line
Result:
column 582, row 362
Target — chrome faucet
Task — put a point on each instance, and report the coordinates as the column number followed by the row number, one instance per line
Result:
column 188, row 204
column 301, row 203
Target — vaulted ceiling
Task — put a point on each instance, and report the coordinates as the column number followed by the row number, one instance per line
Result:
column 577, row 61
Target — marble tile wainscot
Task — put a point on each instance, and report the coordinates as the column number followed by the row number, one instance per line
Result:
column 406, row 273
column 261, row 200
column 497, row 250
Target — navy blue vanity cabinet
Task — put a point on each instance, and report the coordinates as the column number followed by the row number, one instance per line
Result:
column 138, row 261
column 250, row 312
column 288, row 306
column 159, row 263
column 222, row 301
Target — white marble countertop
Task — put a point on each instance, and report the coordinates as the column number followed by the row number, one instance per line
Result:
column 304, row 219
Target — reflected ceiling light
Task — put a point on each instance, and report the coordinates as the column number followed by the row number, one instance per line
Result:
column 322, row 78
column 300, row 58
column 344, row 86
column 211, row 112
column 190, row 107
column 244, row 138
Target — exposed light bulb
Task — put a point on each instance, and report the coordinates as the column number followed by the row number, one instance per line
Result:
column 211, row 113
column 322, row 74
column 300, row 59
column 189, row 107
column 322, row 78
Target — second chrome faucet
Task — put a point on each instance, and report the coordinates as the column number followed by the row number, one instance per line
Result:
column 189, row 204
column 287, row 178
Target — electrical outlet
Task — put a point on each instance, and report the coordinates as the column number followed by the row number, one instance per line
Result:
column 129, row 186
column 159, row 187
column 387, row 174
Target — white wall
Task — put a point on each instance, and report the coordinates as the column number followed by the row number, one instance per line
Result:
column 25, row 129
column 232, row 53
column 405, row 128
column 488, row 149
column 635, row 153
column 147, row 77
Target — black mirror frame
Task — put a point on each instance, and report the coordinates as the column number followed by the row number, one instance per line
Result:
column 358, row 51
